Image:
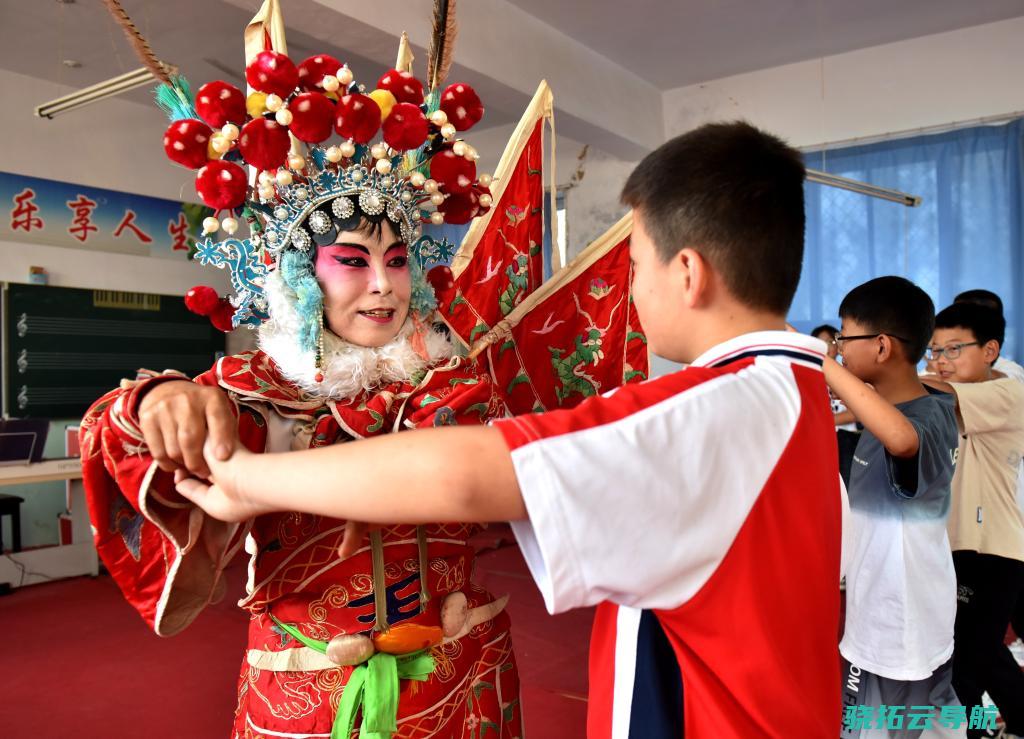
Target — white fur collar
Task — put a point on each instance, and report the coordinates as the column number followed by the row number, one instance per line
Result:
column 348, row 369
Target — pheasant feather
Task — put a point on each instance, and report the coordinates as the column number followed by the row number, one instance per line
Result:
column 442, row 43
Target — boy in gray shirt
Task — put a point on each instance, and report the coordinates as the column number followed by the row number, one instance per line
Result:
column 900, row 582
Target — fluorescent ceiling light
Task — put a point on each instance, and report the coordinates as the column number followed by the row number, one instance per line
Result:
column 863, row 188
column 100, row 91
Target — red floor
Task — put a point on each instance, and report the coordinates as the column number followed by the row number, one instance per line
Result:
column 76, row 661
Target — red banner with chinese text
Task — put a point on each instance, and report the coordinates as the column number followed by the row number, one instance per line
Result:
column 53, row 213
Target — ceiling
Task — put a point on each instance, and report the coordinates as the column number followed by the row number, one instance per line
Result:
column 202, row 37
column 652, row 46
column 671, row 43
column 668, row 43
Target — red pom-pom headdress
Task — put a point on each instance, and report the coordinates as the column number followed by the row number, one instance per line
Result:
column 397, row 154
column 308, row 103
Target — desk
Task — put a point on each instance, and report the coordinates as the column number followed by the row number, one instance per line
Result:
column 52, row 563
column 45, row 471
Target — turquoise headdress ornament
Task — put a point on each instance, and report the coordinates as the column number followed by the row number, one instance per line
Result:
column 399, row 157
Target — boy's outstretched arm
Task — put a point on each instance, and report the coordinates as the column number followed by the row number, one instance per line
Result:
column 452, row 474
column 875, row 413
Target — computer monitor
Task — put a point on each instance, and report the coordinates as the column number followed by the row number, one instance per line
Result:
column 22, row 440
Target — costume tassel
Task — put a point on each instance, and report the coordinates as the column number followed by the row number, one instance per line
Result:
column 380, row 595
column 320, row 349
column 418, row 340
column 424, row 564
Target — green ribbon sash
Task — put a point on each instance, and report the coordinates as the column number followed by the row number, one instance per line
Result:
column 372, row 686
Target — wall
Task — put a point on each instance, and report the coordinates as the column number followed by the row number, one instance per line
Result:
column 592, row 206
column 929, row 81
column 105, row 270
column 933, row 80
column 926, row 83
column 80, row 147
column 114, row 143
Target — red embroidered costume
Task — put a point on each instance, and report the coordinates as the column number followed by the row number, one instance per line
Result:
column 167, row 556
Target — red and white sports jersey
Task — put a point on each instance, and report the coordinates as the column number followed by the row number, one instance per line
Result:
column 702, row 512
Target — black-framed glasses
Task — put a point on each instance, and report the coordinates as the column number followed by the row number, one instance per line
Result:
column 949, row 352
column 840, row 339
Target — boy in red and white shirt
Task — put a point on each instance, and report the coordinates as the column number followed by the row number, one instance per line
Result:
column 701, row 511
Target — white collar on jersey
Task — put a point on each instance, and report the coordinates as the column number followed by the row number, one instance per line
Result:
column 781, row 343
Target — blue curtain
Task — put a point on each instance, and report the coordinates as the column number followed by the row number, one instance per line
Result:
column 966, row 234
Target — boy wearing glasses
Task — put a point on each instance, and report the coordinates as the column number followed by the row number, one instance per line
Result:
column 989, row 299
column 986, row 527
column 900, row 583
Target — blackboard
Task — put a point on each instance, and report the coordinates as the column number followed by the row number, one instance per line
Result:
column 64, row 347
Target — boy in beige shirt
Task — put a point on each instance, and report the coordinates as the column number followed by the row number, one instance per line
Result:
column 986, row 527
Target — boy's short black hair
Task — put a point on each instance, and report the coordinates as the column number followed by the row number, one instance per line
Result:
column 735, row 194
column 896, row 307
column 985, row 323
column 825, row 328
column 986, row 298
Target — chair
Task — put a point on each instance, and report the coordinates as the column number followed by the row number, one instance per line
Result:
column 10, row 505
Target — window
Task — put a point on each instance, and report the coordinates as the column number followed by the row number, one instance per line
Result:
column 965, row 234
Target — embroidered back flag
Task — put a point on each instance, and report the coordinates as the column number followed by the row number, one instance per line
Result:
column 577, row 336
column 500, row 260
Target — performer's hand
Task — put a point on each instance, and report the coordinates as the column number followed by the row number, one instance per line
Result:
column 223, row 496
column 178, row 418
